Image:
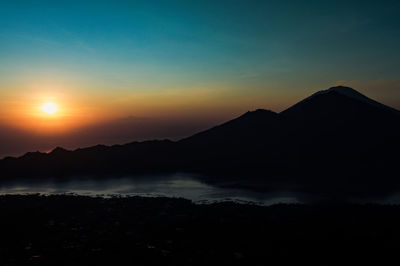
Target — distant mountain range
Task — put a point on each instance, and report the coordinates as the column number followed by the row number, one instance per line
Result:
column 335, row 140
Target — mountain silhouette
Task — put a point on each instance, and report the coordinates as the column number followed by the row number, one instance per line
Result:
column 351, row 93
column 336, row 140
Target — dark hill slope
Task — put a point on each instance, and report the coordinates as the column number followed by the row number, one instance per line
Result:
column 245, row 143
column 135, row 157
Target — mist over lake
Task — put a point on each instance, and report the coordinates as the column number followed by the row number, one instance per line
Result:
column 181, row 185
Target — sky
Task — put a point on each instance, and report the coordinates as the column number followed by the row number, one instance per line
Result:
column 132, row 70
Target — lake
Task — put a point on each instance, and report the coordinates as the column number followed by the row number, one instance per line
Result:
column 180, row 185
column 175, row 185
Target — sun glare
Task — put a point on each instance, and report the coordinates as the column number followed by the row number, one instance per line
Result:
column 49, row 108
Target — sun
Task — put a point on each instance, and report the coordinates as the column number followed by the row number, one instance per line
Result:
column 49, row 108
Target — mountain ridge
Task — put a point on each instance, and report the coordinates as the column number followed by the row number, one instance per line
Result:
column 258, row 113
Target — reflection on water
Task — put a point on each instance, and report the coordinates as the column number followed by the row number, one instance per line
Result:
column 177, row 185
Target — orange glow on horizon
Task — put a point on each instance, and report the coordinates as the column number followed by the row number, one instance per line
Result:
column 50, row 107
column 46, row 114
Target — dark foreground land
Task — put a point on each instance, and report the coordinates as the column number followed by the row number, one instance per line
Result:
column 74, row 230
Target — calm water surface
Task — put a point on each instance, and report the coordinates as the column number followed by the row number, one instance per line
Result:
column 177, row 185
column 181, row 185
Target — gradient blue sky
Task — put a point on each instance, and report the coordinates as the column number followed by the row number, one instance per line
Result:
column 180, row 58
column 161, row 45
